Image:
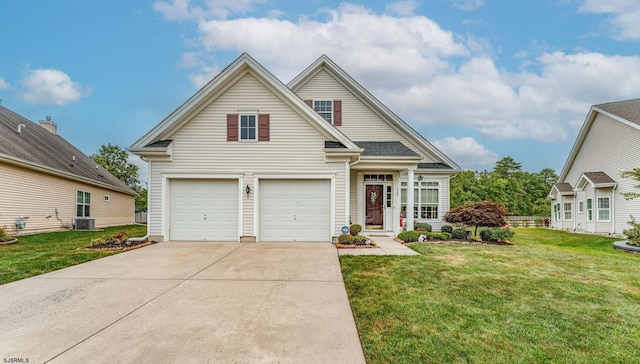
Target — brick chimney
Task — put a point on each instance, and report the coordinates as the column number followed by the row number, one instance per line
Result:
column 49, row 125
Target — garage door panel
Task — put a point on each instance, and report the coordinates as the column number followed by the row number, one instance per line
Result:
column 295, row 210
column 204, row 210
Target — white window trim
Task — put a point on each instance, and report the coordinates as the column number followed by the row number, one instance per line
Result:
column 83, row 203
column 416, row 198
column 565, row 211
column 590, row 210
column 598, row 209
column 581, row 207
column 255, row 116
column 313, row 102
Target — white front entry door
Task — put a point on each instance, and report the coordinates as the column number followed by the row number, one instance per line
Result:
column 295, row 210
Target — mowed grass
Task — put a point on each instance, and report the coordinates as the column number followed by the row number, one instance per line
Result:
column 553, row 297
column 42, row 253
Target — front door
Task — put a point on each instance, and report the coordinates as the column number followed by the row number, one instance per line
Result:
column 374, row 202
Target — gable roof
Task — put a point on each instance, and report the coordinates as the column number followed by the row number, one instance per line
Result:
column 626, row 112
column 563, row 188
column 596, row 180
column 226, row 77
column 38, row 149
column 324, row 62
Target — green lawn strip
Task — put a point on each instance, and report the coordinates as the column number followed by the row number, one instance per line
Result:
column 545, row 299
column 42, row 253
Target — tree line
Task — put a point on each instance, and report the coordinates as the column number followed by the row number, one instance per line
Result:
column 522, row 193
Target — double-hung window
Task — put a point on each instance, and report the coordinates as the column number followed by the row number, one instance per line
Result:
column 248, row 127
column 426, row 197
column 83, row 204
column 325, row 109
column 604, row 210
column 567, row 211
column 556, row 212
column 589, row 209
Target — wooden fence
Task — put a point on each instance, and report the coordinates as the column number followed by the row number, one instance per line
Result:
column 528, row 221
column 141, row 217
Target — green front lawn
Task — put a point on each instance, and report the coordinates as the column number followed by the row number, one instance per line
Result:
column 553, row 297
column 42, row 253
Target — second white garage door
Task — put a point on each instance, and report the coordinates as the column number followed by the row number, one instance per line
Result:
column 203, row 209
column 295, row 210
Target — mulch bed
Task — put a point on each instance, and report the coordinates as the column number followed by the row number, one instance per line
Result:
column 353, row 246
column 119, row 246
column 453, row 241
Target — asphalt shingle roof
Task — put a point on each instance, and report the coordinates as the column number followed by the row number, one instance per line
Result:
column 599, row 177
column 41, row 147
column 564, row 187
column 433, row 166
column 386, row 149
column 629, row 109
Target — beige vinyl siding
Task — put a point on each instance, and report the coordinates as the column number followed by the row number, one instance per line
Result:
column 609, row 147
column 296, row 148
column 35, row 194
column 359, row 122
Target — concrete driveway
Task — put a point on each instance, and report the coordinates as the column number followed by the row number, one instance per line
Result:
column 188, row 303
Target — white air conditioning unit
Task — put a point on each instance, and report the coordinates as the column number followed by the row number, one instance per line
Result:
column 85, row 224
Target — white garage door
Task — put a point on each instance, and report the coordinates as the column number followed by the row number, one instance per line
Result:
column 295, row 210
column 204, row 210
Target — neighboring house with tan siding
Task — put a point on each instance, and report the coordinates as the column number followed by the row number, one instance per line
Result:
column 248, row 158
column 588, row 196
column 49, row 185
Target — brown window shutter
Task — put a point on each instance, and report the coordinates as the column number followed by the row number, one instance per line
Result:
column 309, row 102
column 232, row 127
column 263, row 127
column 337, row 112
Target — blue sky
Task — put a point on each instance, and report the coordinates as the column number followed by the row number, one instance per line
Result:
column 481, row 79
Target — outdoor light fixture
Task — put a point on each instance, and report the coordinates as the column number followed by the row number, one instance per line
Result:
column 248, row 190
column 420, row 178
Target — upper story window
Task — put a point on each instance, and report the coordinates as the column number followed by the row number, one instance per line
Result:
column 83, row 204
column 324, row 108
column 248, row 128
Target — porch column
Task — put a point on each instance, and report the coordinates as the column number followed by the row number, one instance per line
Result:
column 410, row 199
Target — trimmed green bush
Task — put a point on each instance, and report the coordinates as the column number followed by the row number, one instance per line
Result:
column 359, row 240
column 409, row 236
column 355, row 229
column 447, row 229
column 423, row 226
column 459, row 233
column 345, row 239
column 499, row 235
column 633, row 234
column 441, row 236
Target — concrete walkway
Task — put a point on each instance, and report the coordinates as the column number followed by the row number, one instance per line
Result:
column 387, row 245
column 188, row 303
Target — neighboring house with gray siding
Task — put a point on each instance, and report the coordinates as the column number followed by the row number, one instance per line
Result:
column 48, row 184
column 588, row 196
column 248, row 158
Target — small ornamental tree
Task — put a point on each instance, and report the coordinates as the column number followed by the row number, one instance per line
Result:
column 483, row 213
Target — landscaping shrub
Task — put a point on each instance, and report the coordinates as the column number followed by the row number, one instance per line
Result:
column 355, row 229
column 500, row 235
column 423, row 226
column 633, row 234
column 447, row 229
column 459, row 233
column 360, row 240
column 440, row 236
column 345, row 239
column 4, row 236
column 409, row 236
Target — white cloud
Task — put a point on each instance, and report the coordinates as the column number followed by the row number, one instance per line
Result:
column 402, row 7
column 51, row 86
column 4, row 84
column 624, row 16
column 426, row 74
column 467, row 152
column 187, row 9
column 467, row 5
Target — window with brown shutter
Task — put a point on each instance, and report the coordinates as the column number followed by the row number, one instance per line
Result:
column 232, row 127
column 263, row 127
column 337, row 112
